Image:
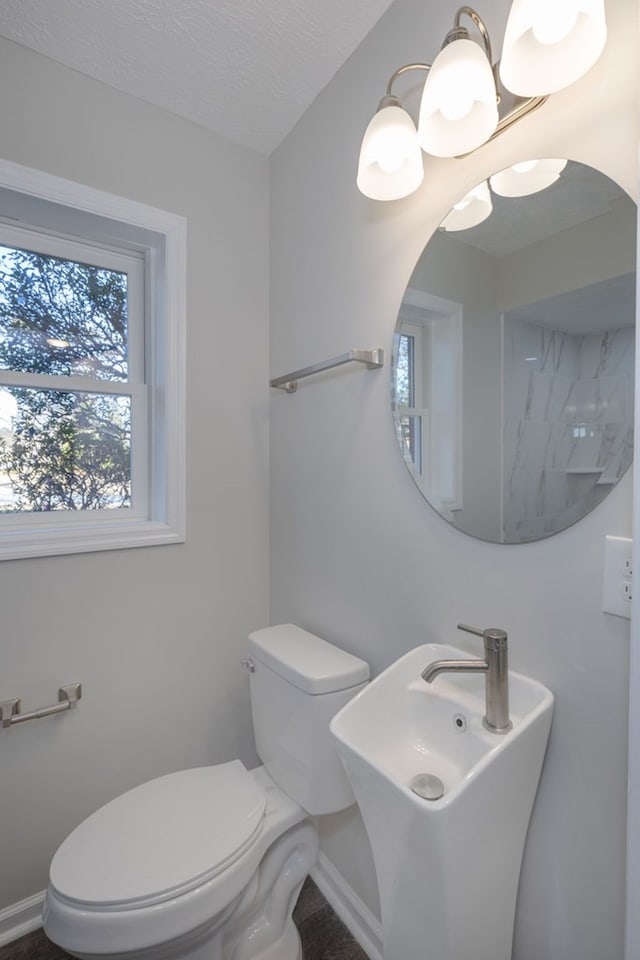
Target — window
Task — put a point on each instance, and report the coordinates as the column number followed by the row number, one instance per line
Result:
column 91, row 369
column 427, row 359
column 409, row 424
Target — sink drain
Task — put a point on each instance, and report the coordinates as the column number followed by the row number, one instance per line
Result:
column 427, row 786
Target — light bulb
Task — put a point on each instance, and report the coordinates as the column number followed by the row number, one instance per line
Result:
column 527, row 177
column 458, row 111
column 474, row 207
column 549, row 44
column 391, row 156
column 554, row 22
column 390, row 164
column 525, row 167
column 457, row 105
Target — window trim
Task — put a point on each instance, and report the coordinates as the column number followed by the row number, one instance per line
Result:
column 162, row 238
column 427, row 317
column 133, row 385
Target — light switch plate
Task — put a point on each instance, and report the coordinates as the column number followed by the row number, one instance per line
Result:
column 618, row 578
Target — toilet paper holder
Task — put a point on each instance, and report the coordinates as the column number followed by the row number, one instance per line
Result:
column 68, row 697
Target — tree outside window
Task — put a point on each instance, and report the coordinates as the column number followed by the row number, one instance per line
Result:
column 63, row 449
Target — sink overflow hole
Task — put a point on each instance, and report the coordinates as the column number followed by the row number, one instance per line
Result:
column 460, row 722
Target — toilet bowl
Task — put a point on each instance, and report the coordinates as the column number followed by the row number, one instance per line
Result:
column 207, row 863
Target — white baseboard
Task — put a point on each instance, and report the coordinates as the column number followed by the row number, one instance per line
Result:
column 366, row 928
column 21, row 918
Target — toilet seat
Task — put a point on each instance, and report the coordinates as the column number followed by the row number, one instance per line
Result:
column 161, row 839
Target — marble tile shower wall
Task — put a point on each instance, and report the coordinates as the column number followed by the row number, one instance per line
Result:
column 568, row 423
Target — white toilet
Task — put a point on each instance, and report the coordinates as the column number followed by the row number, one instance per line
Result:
column 207, row 864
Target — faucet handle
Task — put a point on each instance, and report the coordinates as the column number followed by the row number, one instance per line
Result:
column 494, row 637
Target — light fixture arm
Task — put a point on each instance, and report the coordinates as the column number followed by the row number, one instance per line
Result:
column 521, row 107
column 400, row 71
column 480, row 24
column 462, row 11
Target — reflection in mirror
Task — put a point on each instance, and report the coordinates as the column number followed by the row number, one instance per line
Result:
column 513, row 360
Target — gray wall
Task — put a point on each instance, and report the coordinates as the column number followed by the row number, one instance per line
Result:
column 154, row 634
column 356, row 554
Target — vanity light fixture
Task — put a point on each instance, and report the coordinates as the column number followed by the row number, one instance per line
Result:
column 519, row 180
column 527, row 177
column 467, row 99
column 474, row 207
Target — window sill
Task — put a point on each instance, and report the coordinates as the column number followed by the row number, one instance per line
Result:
column 40, row 540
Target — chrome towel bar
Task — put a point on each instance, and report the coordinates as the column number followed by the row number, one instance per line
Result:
column 373, row 359
column 68, row 697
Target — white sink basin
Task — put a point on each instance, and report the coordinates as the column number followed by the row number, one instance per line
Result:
column 447, row 868
column 403, row 726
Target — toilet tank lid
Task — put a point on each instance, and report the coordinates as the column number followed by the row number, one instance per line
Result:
column 308, row 662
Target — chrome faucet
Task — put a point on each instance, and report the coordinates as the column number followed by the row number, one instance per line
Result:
column 495, row 668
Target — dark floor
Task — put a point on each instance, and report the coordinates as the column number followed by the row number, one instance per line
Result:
column 323, row 935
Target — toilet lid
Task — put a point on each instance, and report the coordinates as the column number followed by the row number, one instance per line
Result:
column 161, row 838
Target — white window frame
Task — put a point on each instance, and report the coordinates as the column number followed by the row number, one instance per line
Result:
column 433, row 321
column 77, row 213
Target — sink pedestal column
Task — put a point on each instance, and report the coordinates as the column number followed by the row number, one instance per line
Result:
column 448, row 876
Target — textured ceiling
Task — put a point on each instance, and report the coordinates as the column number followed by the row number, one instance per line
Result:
column 580, row 194
column 247, row 69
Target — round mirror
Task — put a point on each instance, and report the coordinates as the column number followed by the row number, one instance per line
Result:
column 513, row 356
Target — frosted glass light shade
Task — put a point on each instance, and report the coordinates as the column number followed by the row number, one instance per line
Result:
column 528, row 177
column 474, row 207
column 458, row 111
column 549, row 44
column 390, row 163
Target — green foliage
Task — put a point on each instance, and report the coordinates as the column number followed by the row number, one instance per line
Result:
column 66, row 450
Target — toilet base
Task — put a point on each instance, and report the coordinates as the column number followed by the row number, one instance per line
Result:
column 261, row 927
column 287, row 947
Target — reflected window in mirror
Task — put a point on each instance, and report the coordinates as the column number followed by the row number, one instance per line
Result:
column 409, row 424
column 427, row 364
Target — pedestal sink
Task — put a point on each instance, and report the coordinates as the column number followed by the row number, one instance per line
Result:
column 447, row 867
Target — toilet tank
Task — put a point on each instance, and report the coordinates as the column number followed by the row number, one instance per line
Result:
column 298, row 684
